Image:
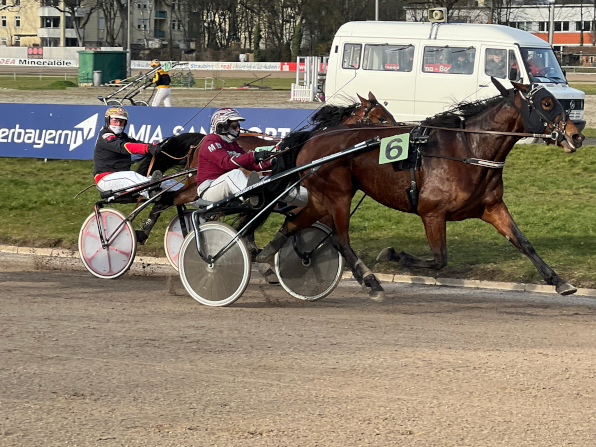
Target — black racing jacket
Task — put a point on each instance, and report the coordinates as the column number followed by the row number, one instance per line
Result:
column 161, row 79
column 113, row 152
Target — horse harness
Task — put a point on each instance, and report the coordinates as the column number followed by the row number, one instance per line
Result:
column 535, row 119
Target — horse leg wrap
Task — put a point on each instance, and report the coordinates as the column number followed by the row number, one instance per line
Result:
column 360, row 271
column 268, row 253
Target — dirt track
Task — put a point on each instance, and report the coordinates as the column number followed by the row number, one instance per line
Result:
column 137, row 362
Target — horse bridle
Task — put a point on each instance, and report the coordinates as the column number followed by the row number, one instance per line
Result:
column 555, row 126
column 365, row 118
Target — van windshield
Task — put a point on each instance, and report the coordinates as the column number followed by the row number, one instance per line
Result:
column 542, row 65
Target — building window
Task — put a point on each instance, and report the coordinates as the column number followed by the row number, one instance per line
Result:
column 143, row 24
column 101, row 24
column 578, row 26
column 543, row 27
column 3, row 3
column 142, row 4
column 176, row 24
column 17, row 2
column 17, row 41
column 50, row 22
column 3, row 41
column 561, row 26
column 17, row 21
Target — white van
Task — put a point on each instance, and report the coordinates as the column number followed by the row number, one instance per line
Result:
column 420, row 69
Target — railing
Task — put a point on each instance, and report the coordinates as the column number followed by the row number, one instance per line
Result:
column 159, row 33
column 579, row 69
column 161, row 14
column 38, row 74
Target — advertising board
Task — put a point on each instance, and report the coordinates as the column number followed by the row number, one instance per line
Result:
column 70, row 131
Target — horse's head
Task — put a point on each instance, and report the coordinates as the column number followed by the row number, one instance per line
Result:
column 542, row 113
column 372, row 111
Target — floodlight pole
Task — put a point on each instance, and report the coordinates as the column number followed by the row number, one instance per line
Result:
column 551, row 22
column 128, row 53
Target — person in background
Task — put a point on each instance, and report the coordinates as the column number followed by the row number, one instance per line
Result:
column 496, row 63
column 162, row 83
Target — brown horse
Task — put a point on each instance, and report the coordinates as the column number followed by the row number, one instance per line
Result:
column 450, row 188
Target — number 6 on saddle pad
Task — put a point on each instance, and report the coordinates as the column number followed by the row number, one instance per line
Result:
column 394, row 148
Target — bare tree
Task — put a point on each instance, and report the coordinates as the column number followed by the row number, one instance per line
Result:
column 80, row 11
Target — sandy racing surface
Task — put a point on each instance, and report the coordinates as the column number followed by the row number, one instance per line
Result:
column 136, row 361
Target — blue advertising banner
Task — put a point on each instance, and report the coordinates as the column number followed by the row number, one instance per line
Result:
column 70, row 131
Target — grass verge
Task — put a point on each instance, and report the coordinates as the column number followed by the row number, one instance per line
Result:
column 550, row 194
column 35, row 83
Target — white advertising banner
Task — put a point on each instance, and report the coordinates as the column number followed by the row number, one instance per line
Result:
column 60, row 63
column 216, row 66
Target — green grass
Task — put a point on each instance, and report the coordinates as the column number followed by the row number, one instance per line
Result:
column 34, row 83
column 550, row 194
column 588, row 89
column 274, row 83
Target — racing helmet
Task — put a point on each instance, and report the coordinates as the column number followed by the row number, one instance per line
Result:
column 116, row 112
column 220, row 121
column 155, row 63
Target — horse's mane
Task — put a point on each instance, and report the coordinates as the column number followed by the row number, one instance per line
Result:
column 331, row 116
column 182, row 141
column 463, row 110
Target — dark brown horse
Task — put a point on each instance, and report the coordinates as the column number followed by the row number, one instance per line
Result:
column 449, row 189
column 177, row 148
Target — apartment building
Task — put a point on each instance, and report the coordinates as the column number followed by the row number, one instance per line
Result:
column 45, row 23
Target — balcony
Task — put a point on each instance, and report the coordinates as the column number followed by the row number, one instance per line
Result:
column 50, row 11
column 159, row 33
column 55, row 33
column 161, row 14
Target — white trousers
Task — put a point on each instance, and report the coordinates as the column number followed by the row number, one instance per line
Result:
column 225, row 185
column 162, row 94
column 125, row 179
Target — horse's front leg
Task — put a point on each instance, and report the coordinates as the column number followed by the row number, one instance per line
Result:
column 498, row 215
column 436, row 234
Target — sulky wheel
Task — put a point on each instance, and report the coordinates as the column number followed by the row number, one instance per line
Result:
column 114, row 102
column 113, row 261
column 141, row 103
column 222, row 282
column 173, row 238
column 313, row 278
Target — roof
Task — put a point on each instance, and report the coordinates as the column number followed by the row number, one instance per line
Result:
column 447, row 31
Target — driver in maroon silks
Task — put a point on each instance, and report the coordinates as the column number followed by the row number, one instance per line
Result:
column 221, row 157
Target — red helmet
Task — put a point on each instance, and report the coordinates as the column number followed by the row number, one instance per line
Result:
column 220, row 121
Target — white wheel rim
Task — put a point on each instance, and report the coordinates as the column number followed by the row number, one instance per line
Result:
column 224, row 283
column 174, row 238
column 298, row 274
column 117, row 258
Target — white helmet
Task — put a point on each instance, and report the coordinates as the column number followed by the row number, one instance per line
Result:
column 220, row 121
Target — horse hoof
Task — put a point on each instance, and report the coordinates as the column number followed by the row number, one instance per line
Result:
column 377, row 295
column 386, row 255
column 268, row 273
column 566, row 289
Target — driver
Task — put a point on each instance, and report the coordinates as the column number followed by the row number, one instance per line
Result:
column 221, row 157
column 112, row 156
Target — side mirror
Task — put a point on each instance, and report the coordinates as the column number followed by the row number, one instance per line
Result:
column 513, row 74
column 565, row 73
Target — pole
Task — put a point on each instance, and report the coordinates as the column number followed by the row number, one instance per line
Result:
column 376, row 10
column 128, row 53
column 551, row 22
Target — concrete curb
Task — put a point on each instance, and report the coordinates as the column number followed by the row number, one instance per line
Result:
column 143, row 264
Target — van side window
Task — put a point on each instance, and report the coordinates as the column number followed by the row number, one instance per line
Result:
column 388, row 57
column 495, row 63
column 351, row 57
column 451, row 60
column 513, row 65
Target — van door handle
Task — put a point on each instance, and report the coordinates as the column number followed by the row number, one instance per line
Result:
column 483, row 85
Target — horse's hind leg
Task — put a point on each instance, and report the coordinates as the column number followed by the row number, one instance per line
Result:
column 499, row 216
column 436, row 234
column 143, row 232
column 340, row 210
